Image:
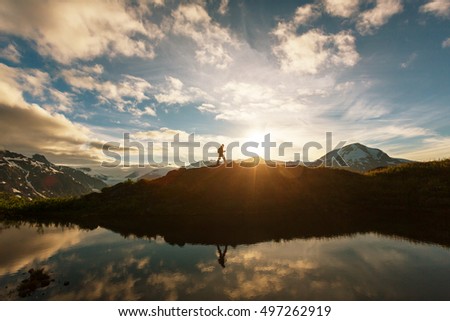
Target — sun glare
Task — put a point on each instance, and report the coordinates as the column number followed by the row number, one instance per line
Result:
column 256, row 137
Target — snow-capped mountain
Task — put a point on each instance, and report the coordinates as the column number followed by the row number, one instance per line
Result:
column 36, row 177
column 359, row 158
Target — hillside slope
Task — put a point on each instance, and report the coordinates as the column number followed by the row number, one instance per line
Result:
column 36, row 177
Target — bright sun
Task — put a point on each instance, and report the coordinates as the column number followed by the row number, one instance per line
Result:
column 255, row 137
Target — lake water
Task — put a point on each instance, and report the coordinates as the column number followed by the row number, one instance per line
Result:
column 103, row 265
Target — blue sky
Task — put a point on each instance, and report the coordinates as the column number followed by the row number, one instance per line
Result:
column 75, row 75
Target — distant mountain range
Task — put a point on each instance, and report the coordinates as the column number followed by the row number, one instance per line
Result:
column 36, row 177
column 114, row 175
column 358, row 157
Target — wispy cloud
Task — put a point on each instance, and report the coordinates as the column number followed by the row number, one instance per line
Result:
column 223, row 7
column 175, row 92
column 446, row 43
column 440, row 8
column 213, row 41
column 369, row 21
column 140, row 112
column 361, row 110
column 407, row 63
column 10, row 53
column 207, row 108
column 306, row 14
column 63, row 101
column 128, row 92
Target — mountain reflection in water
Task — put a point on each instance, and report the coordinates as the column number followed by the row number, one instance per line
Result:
column 102, row 265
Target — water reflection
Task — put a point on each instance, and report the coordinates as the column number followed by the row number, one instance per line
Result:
column 102, row 265
column 221, row 258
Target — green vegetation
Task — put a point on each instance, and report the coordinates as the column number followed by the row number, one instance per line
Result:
column 413, row 186
column 10, row 204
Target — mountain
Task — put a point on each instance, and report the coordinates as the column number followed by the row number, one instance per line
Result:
column 359, row 158
column 36, row 177
column 156, row 173
column 118, row 174
column 202, row 163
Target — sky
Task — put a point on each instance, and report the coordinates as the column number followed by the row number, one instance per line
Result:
column 75, row 75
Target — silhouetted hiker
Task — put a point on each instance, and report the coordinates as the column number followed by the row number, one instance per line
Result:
column 221, row 151
column 221, row 258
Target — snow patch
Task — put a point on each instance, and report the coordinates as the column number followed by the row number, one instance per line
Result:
column 32, row 187
column 54, row 171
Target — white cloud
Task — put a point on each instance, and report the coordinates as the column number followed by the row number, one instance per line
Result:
column 345, row 86
column 96, row 69
column 71, row 30
column 63, row 101
column 440, row 8
column 139, row 112
column 446, row 43
column 175, row 92
column 143, row 7
column 10, row 53
column 213, row 41
column 207, row 108
column 128, row 92
column 371, row 20
column 341, row 8
column 163, row 134
column 313, row 50
column 223, row 8
column 306, row 14
column 157, row 3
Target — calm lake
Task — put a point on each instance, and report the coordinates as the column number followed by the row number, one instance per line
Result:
column 102, row 265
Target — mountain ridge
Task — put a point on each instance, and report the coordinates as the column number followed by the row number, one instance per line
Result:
column 36, row 177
